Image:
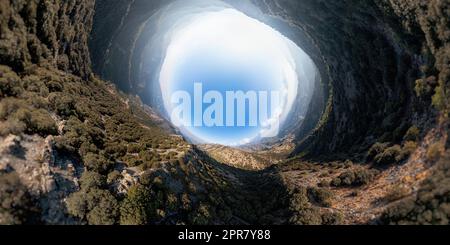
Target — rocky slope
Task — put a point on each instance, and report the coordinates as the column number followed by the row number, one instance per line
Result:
column 82, row 153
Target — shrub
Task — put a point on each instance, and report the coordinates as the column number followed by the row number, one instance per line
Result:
column 408, row 148
column 201, row 216
column 16, row 204
column 439, row 98
column 423, row 87
column 115, row 149
column 309, row 216
column 397, row 192
column 103, row 207
column 9, row 106
column 322, row 197
column 33, row 83
column 376, row 149
column 68, row 142
column 63, row 104
column 76, row 204
column 96, row 162
column 147, row 155
column 355, row 177
column 165, row 146
column 332, row 218
column 36, row 120
column 54, row 86
column 87, row 147
column 412, row 134
column 389, row 155
column 36, row 101
column 113, row 177
column 92, row 180
column 80, row 136
column 434, row 152
column 42, row 123
column 96, row 206
column 132, row 161
column 348, row 164
column 172, row 155
column 137, row 208
column 323, row 183
column 10, row 83
column 186, row 203
column 172, row 202
column 12, row 126
column 134, row 148
column 96, row 135
column 336, row 182
column 430, row 205
column 299, row 199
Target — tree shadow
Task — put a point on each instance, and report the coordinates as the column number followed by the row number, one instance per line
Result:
column 19, row 151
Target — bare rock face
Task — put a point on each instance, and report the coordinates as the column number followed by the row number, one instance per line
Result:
column 10, row 145
column 31, row 158
column 49, row 33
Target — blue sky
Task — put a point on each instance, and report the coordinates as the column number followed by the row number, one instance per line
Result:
column 229, row 51
column 216, row 72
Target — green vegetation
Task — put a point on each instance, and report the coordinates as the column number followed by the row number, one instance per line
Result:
column 376, row 149
column 138, row 207
column 383, row 154
column 434, row 152
column 389, row 155
column 202, row 215
column 21, row 117
column 407, row 150
column 322, row 197
column 63, row 104
column 397, row 192
column 425, row 87
column 97, row 162
column 412, row 134
column 431, row 204
column 302, row 201
column 11, row 126
column 93, row 203
column 92, row 180
column 355, row 177
column 332, row 218
column 10, row 83
column 96, row 126
column 113, row 176
column 440, row 98
column 16, row 204
column 324, row 183
column 92, row 124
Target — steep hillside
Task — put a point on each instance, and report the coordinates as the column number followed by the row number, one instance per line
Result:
column 81, row 153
